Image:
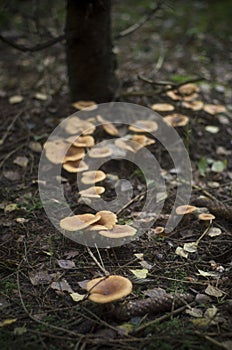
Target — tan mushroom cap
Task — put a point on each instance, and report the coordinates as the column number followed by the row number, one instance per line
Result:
column 92, row 192
column 188, row 89
column 108, row 126
column 119, row 231
column 128, row 145
column 173, row 94
column 81, row 141
column 206, row 217
column 100, row 152
column 88, row 105
column 92, row 176
column 143, row 140
column 108, row 219
column 214, row 109
column 108, row 289
column 74, row 153
column 78, row 222
column 144, row 126
column 193, row 105
column 75, row 125
column 76, row 166
column 185, row 209
column 55, row 150
column 158, row 230
column 162, row 107
column 176, row 119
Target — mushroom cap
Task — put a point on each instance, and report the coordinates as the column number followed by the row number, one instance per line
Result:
column 75, row 166
column 78, row 222
column 206, row 217
column 193, row 105
column 108, row 219
column 100, row 152
column 92, row 176
column 162, row 107
column 88, row 105
column 119, row 231
column 128, row 145
column 74, row 153
column 158, row 230
column 108, row 126
column 81, row 141
column 143, row 140
column 188, row 89
column 55, row 150
column 176, row 119
column 144, row 126
column 214, row 109
column 75, row 125
column 107, row 289
column 92, row 192
column 185, row 209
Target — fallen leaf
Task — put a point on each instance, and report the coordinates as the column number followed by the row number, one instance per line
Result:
column 181, row 252
column 207, row 274
column 62, row 286
column 15, row 99
column 146, row 265
column 21, row 161
column 42, row 277
column 212, row 129
column 19, row 330
column 140, row 273
column 203, row 299
column 213, row 291
column 83, row 284
column 218, row 166
column 35, row 146
column 190, row 247
column 77, row 297
column 194, row 312
column 66, row 264
column 12, row 175
column 10, row 207
column 7, row 322
column 125, row 328
column 71, row 254
column 211, row 312
column 214, row 231
column 139, row 256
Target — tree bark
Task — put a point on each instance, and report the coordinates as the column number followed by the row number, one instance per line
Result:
column 90, row 60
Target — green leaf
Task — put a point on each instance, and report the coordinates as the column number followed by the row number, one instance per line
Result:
column 218, row 166
column 202, row 166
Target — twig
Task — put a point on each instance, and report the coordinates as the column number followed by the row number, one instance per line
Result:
column 211, row 340
column 141, row 22
column 2, row 140
column 97, row 262
column 139, row 196
column 34, row 48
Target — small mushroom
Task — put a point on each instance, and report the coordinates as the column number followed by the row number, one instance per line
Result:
column 92, row 192
column 158, row 230
column 193, row 105
column 88, row 105
column 206, row 217
column 75, row 125
column 108, row 126
column 214, row 109
column 185, row 209
column 55, row 150
column 74, row 153
column 144, row 126
column 100, row 152
column 76, row 166
column 143, row 140
column 78, row 222
column 162, row 107
column 92, row 176
column 104, row 290
column 107, row 219
column 176, row 119
column 81, row 141
column 119, row 231
column 188, row 89
column 128, row 145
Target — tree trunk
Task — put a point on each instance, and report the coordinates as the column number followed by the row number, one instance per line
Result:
column 90, row 60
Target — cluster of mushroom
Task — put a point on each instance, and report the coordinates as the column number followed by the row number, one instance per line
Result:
column 103, row 222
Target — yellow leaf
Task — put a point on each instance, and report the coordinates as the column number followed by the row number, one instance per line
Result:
column 77, row 297
column 8, row 322
column 10, row 207
column 140, row 273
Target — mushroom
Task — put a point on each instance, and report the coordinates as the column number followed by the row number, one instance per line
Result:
column 81, row 141
column 206, row 217
column 75, row 166
column 92, row 192
column 143, row 140
column 128, row 145
column 92, row 176
column 214, row 109
column 88, row 105
column 75, row 125
column 100, row 152
column 119, row 231
column 185, row 211
column 188, row 89
column 176, row 119
column 193, row 105
column 107, row 219
column 55, row 150
column 144, row 126
column 78, row 222
column 104, row 290
column 74, row 153
column 162, row 107
column 158, row 230
column 108, row 126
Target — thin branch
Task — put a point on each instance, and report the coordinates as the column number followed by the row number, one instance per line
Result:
column 34, row 48
column 141, row 22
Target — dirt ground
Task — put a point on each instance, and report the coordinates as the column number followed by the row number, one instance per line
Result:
column 185, row 42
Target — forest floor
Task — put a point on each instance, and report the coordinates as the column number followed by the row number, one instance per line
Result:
column 36, row 314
